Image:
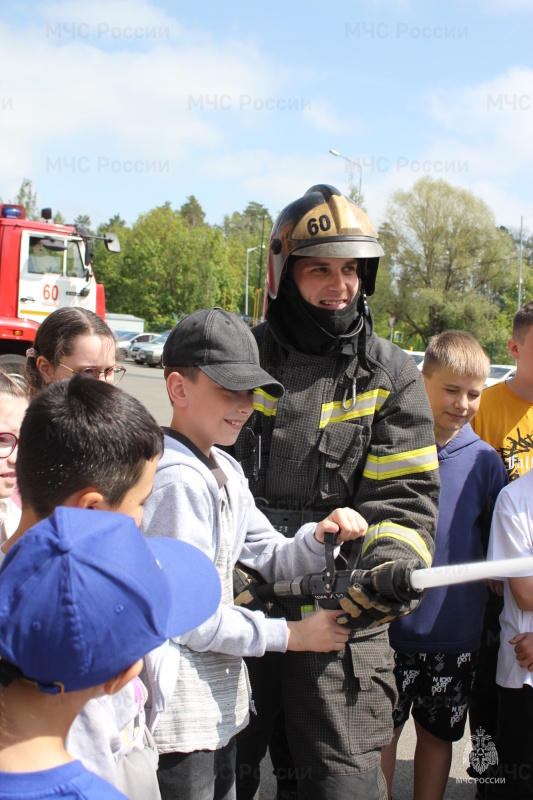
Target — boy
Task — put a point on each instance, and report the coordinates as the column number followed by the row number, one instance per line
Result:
column 435, row 647
column 78, row 447
column 83, row 597
column 505, row 421
column 505, row 416
column 511, row 536
column 200, row 695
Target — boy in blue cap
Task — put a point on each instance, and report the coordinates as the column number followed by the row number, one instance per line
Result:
column 83, row 597
column 78, row 448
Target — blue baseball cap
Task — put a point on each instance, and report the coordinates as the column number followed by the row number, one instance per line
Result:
column 83, row 596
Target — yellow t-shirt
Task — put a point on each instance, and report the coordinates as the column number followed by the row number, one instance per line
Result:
column 505, row 421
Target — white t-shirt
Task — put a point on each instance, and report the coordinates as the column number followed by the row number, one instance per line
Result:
column 9, row 519
column 511, row 536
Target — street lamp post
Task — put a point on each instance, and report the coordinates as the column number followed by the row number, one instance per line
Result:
column 248, row 251
column 354, row 164
column 520, row 265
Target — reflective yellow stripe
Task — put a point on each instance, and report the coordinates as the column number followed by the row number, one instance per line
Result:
column 365, row 406
column 392, row 531
column 265, row 403
column 379, row 468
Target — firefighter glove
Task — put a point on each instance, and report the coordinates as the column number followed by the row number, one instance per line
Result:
column 383, row 594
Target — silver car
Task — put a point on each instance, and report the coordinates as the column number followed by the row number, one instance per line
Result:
column 125, row 343
column 151, row 353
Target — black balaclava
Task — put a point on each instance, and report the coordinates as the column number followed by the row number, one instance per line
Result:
column 299, row 325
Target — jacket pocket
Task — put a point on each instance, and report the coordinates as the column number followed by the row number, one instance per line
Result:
column 342, row 448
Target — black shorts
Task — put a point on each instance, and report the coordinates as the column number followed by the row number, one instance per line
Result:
column 437, row 686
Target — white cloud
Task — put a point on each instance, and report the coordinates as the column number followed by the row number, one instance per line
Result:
column 95, row 17
column 493, row 119
column 485, row 144
column 72, row 97
column 93, row 86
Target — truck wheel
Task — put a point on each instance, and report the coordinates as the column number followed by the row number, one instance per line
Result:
column 13, row 364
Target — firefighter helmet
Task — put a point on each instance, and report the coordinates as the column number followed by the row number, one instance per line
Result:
column 323, row 223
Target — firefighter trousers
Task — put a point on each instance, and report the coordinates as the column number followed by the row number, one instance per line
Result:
column 338, row 715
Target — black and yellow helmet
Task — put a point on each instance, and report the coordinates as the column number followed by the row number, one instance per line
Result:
column 323, row 223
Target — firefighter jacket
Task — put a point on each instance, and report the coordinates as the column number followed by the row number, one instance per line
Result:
column 345, row 435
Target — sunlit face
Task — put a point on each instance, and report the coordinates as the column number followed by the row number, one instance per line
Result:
column 87, row 352
column 329, row 283
column 454, row 401
column 12, row 410
column 217, row 414
column 522, row 351
column 133, row 501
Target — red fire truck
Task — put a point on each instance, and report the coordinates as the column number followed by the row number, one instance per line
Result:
column 43, row 266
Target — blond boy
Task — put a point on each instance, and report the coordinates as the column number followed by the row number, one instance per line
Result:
column 436, row 647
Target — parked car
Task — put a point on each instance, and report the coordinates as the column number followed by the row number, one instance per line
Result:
column 128, row 340
column 151, row 353
column 500, row 372
column 135, row 348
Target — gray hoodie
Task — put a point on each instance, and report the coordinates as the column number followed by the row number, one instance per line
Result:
column 187, row 504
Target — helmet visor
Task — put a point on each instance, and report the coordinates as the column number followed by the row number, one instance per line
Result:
column 355, row 248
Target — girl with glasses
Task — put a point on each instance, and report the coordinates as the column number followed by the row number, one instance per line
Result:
column 13, row 404
column 72, row 341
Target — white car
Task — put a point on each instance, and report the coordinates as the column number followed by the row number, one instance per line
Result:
column 127, row 341
column 500, row 372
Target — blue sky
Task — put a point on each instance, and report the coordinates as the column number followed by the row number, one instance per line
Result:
column 119, row 105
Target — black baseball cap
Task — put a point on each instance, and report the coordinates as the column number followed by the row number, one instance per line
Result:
column 223, row 347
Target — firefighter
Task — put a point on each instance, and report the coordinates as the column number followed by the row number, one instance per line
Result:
column 354, row 428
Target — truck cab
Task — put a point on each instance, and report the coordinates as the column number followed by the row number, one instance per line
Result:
column 43, row 266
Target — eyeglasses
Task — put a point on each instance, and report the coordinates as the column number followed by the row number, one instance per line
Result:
column 112, row 374
column 8, row 442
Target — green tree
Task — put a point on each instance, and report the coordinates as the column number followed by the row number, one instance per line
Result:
column 115, row 225
column 192, row 212
column 251, row 228
column 448, row 261
column 384, row 301
column 166, row 268
column 28, row 198
column 84, row 221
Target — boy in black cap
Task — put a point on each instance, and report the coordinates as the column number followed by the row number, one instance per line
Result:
column 200, row 696
column 83, row 597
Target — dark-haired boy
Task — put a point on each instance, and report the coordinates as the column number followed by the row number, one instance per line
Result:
column 86, row 444
column 200, row 695
column 83, row 597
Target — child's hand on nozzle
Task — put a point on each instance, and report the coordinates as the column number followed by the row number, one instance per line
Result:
column 346, row 522
column 318, row 633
